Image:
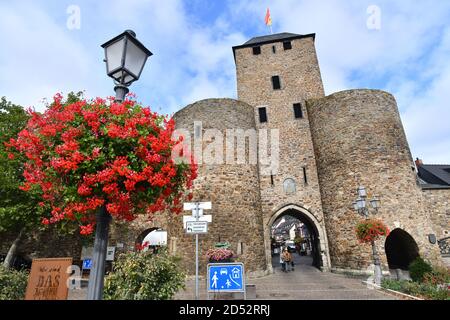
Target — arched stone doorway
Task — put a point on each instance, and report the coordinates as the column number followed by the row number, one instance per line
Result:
column 401, row 249
column 319, row 242
column 152, row 237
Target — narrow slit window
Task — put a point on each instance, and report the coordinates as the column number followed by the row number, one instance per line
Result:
column 256, row 50
column 197, row 131
column 305, row 178
column 298, row 112
column 276, row 83
column 287, row 45
column 262, row 115
column 274, row 49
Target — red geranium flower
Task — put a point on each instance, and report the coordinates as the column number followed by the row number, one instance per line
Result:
column 88, row 154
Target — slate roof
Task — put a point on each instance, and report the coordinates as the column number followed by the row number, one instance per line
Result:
column 271, row 38
column 434, row 175
column 283, row 36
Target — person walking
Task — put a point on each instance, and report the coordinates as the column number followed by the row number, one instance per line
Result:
column 282, row 263
column 286, row 257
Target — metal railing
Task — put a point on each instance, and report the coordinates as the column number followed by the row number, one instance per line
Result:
column 444, row 246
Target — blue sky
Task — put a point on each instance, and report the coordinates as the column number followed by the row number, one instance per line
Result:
column 191, row 41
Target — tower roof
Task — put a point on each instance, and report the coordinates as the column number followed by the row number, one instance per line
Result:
column 271, row 38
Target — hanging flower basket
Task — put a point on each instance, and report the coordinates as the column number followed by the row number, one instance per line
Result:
column 368, row 231
column 219, row 255
column 85, row 155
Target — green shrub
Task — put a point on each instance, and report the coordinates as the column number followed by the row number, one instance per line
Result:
column 13, row 284
column 422, row 290
column 418, row 268
column 396, row 285
column 438, row 276
column 144, row 276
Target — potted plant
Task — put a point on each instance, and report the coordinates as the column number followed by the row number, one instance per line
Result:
column 367, row 231
column 221, row 253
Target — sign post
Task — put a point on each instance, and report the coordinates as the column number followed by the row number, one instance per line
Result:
column 195, row 225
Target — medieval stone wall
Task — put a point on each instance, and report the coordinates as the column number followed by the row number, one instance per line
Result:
column 359, row 140
column 300, row 79
column 438, row 204
column 48, row 243
column 233, row 189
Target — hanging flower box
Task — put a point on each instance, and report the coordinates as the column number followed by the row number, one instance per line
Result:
column 368, row 231
column 219, row 255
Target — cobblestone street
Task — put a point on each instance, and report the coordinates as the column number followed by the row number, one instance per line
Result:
column 304, row 283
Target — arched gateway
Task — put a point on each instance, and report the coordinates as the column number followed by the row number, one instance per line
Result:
column 320, row 253
column 401, row 249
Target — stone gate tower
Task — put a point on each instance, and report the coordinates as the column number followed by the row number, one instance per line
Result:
column 277, row 74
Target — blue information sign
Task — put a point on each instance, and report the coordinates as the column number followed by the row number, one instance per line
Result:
column 87, row 264
column 226, row 277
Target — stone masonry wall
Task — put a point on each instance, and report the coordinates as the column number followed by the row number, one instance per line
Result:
column 233, row 189
column 359, row 140
column 438, row 204
column 300, row 79
column 47, row 243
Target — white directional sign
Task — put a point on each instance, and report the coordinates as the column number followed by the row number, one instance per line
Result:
column 205, row 218
column 201, row 205
column 196, row 227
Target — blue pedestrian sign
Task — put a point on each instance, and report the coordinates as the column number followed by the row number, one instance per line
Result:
column 87, row 264
column 226, row 277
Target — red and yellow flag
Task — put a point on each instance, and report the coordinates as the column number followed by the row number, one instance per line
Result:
column 268, row 18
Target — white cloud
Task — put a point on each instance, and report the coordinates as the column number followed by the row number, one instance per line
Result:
column 408, row 57
column 39, row 57
column 192, row 60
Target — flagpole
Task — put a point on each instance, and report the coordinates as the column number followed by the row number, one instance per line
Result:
column 271, row 32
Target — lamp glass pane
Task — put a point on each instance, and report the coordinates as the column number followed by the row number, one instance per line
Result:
column 127, row 79
column 361, row 203
column 374, row 203
column 114, row 53
column 362, row 192
column 135, row 58
column 117, row 75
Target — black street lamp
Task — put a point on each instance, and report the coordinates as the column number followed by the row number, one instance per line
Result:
column 362, row 207
column 125, row 59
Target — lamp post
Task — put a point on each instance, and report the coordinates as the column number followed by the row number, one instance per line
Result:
column 361, row 205
column 125, row 58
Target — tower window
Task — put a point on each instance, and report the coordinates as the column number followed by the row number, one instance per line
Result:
column 262, row 114
column 298, row 113
column 256, row 50
column 197, row 130
column 287, row 45
column 274, row 49
column 305, row 178
column 276, row 83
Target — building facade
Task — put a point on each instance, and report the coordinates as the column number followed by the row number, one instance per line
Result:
column 295, row 151
column 327, row 146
